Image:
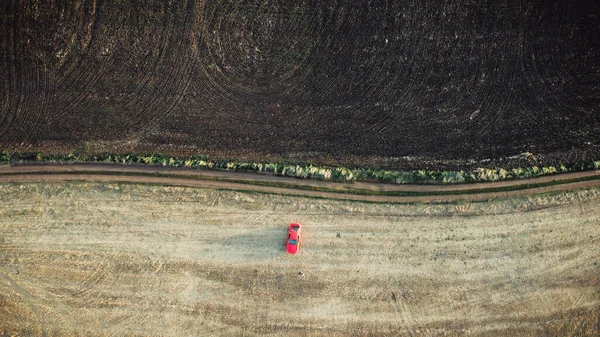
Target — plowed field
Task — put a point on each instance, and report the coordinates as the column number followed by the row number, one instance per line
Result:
column 120, row 259
column 407, row 84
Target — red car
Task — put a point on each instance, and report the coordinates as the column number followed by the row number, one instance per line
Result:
column 293, row 240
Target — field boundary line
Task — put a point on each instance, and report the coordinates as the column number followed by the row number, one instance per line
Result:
column 261, row 183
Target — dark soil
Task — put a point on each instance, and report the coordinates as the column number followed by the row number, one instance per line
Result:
column 404, row 84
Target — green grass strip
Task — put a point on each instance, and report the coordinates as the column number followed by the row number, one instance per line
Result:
column 305, row 170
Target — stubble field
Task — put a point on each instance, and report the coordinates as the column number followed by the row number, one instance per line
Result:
column 119, row 259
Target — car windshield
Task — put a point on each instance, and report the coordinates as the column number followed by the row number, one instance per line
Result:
column 293, row 242
column 295, row 228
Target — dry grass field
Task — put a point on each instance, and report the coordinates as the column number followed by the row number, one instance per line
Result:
column 140, row 260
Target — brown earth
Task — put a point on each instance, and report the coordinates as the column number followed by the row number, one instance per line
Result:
column 123, row 259
column 400, row 84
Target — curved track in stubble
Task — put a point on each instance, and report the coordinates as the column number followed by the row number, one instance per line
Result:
column 249, row 182
column 102, row 259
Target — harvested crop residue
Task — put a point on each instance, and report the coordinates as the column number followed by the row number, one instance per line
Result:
column 120, row 259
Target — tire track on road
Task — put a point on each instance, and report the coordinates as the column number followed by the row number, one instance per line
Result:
column 248, row 182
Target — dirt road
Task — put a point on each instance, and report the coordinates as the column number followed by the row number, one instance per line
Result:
column 289, row 186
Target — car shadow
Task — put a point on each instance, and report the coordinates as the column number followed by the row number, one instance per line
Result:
column 268, row 242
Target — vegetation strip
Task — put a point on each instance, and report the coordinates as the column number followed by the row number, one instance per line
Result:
column 306, row 170
column 124, row 172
